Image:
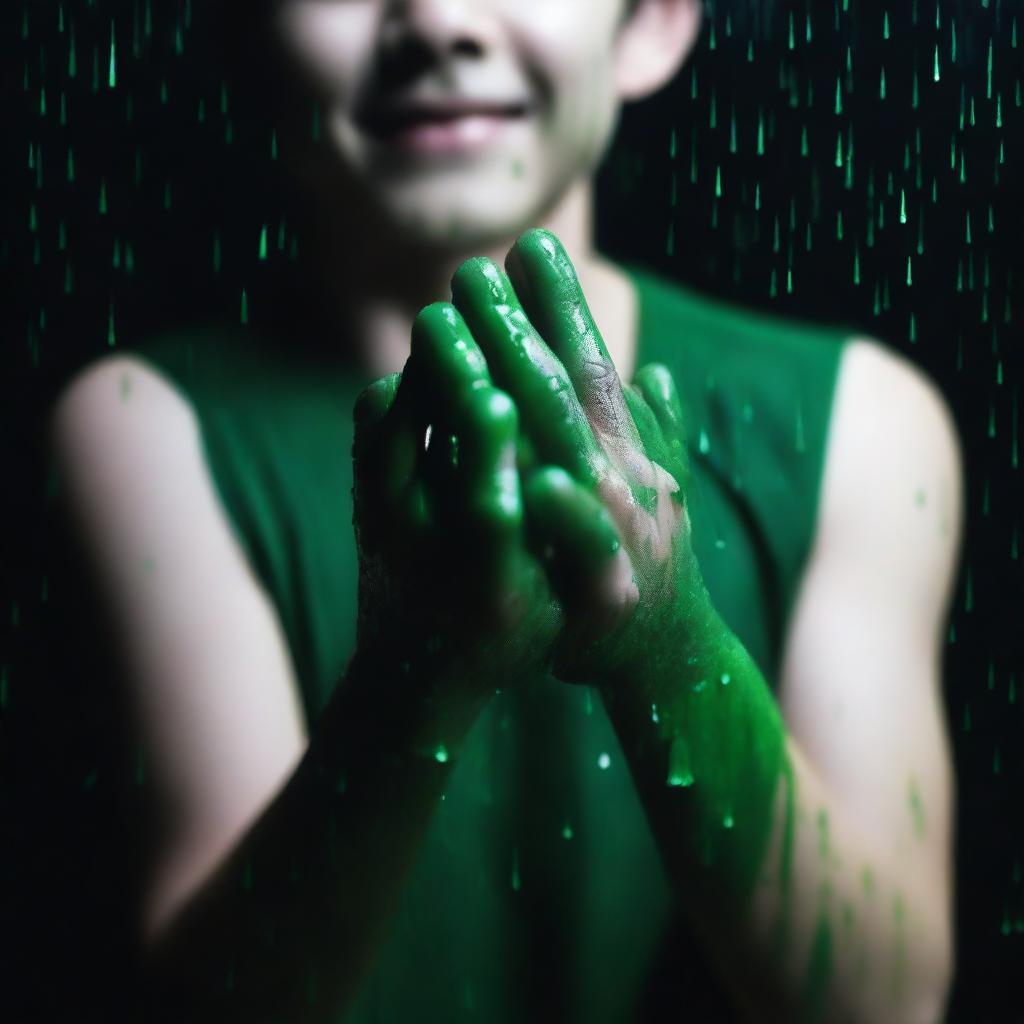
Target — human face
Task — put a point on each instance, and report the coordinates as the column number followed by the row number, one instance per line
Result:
column 540, row 73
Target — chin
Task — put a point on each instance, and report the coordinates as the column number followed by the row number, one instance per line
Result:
column 458, row 226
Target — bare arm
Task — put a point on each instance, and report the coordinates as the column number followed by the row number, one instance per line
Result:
column 851, row 913
column 280, row 855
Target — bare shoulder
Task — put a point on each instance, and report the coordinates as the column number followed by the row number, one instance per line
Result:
column 893, row 448
column 881, row 390
column 111, row 394
column 216, row 702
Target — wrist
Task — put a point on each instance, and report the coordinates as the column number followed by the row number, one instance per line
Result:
column 407, row 707
column 676, row 642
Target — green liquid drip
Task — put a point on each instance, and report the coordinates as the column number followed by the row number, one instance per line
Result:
column 680, row 772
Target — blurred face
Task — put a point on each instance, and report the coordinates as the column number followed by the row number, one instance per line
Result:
column 457, row 122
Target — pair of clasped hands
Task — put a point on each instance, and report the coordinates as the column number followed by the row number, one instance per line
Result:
column 518, row 510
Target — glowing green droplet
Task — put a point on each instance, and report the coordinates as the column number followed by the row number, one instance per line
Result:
column 603, row 761
column 441, row 753
column 567, row 831
column 680, row 772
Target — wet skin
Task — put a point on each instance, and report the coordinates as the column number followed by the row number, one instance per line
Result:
column 543, row 526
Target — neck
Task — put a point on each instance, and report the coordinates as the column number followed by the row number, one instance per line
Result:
column 360, row 300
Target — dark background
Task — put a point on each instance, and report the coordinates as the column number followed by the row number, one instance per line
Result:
column 773, row 173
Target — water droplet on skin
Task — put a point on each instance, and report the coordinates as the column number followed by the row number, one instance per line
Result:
column 567, row 831
column 704, row 443
column 654, row 714
column 726, row 678
column 728, row 820
column 699, row 686
column 441, row 753
column 603, row 761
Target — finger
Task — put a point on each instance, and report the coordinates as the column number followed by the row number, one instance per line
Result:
column 523, row 364
column 371, row 406
column 446, row 352
column 568, row 517
column 491, row 516
column 391, row 468
column 552, row 298
column 658, row 387
column 578, row 540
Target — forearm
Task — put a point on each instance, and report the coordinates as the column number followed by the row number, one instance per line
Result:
column 808, row 914
column 287, row 926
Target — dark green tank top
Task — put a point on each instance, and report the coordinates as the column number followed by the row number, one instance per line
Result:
column 538, row 893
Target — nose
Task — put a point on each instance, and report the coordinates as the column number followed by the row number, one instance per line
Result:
column 443, row 28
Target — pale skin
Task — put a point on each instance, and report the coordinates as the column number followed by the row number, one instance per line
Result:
column 859, row 693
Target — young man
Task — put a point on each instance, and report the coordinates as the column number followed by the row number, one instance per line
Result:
column 758, row 772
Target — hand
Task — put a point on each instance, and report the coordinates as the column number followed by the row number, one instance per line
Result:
column 623, row 447
column 450, row 585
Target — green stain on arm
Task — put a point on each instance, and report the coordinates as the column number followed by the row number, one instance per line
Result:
column 899, row 961
column 818, row 975
column 916, row 808
column 867, row 879
column 823, row 841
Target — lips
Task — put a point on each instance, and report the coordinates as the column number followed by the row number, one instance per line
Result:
column 388, row 120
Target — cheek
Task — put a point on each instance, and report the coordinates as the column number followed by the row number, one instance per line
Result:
column 570, row 50
column 327, row 42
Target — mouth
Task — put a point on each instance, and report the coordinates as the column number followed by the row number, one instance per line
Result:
column 444, row 126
